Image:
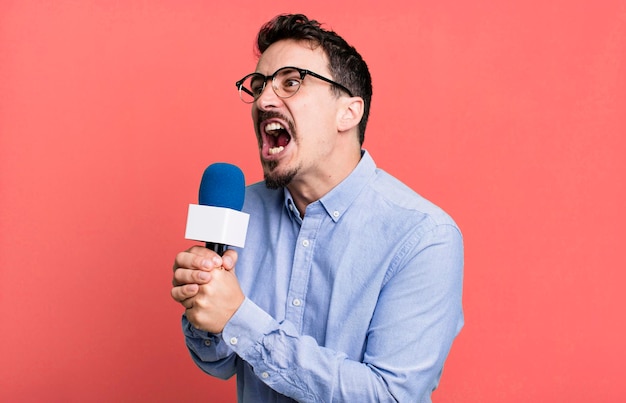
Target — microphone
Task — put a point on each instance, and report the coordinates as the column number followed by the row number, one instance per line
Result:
column 217, row 219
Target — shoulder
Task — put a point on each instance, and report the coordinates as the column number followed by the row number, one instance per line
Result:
column 259, row 197
column 405, row 201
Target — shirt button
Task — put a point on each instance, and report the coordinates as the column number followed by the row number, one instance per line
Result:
column 265, row 375
column 233, row 341
column 305, row 243
column 296, row 302
column 207, row 342
column 335, row 214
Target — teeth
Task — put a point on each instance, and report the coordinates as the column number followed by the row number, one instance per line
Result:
column 274, row 129
column 270, row 127
column 276, row 150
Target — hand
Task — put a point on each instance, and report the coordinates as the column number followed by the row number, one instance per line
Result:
column 197, row 267
column 215, row 302
column 192, row 268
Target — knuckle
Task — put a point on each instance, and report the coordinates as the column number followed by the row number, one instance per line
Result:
column 178, row 261
column 175, row 292
column 199, row 250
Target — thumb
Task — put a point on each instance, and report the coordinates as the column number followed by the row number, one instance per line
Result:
column 229, row 259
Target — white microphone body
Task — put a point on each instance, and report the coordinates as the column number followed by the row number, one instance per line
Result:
column 217, row 225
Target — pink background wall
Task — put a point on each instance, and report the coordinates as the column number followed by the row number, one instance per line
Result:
column 509, row 114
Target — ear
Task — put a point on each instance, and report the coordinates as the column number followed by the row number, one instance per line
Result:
column 350, row 113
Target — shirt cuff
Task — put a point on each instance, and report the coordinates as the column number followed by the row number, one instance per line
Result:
column 247, row 327
column 190, row 331
column 206, row 347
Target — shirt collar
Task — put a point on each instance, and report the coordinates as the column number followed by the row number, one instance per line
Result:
column 339, row 199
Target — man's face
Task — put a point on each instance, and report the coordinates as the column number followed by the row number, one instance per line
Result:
column 296, row 135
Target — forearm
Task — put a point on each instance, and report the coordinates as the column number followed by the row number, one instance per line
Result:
column 295, row 365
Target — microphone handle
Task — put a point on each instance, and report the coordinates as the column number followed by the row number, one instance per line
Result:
column 218, row 248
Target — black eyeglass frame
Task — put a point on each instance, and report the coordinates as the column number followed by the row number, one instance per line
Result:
column 303, row 73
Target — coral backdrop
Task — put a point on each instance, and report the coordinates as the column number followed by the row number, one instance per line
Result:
column 511, row 115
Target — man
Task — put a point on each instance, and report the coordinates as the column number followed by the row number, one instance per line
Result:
column 349, row 287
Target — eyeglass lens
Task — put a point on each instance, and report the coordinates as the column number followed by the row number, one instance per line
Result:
column 285, row 83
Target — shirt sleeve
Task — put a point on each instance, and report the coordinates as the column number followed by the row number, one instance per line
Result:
column 417, row 316
column 209, row 351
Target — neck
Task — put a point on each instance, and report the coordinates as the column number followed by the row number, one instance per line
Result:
column 307, row 190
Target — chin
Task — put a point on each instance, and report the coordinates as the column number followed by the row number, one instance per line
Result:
column 277, row 180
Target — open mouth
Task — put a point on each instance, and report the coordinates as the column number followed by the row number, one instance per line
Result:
column 277, row 137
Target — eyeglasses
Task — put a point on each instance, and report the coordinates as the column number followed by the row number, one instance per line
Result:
column 286, row 81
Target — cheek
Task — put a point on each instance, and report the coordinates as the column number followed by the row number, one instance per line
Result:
column 254, row 113
column 313, row 117
column 254, row 116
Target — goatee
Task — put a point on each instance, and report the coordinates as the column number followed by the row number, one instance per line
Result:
column 276, row 180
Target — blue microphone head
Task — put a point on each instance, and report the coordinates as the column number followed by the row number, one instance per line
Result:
column 223, row 185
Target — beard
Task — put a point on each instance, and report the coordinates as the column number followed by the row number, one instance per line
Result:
column 275, row 180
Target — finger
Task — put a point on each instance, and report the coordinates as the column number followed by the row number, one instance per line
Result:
column 197, row 258
column 188, row 303
column 229, row 259
column 184, row 292
column 187, row 276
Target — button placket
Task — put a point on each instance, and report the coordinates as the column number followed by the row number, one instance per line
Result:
column 303, row 258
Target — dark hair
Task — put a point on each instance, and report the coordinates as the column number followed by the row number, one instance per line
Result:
column 346, row 64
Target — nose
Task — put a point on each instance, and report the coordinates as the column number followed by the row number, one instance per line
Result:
column 268, row 98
